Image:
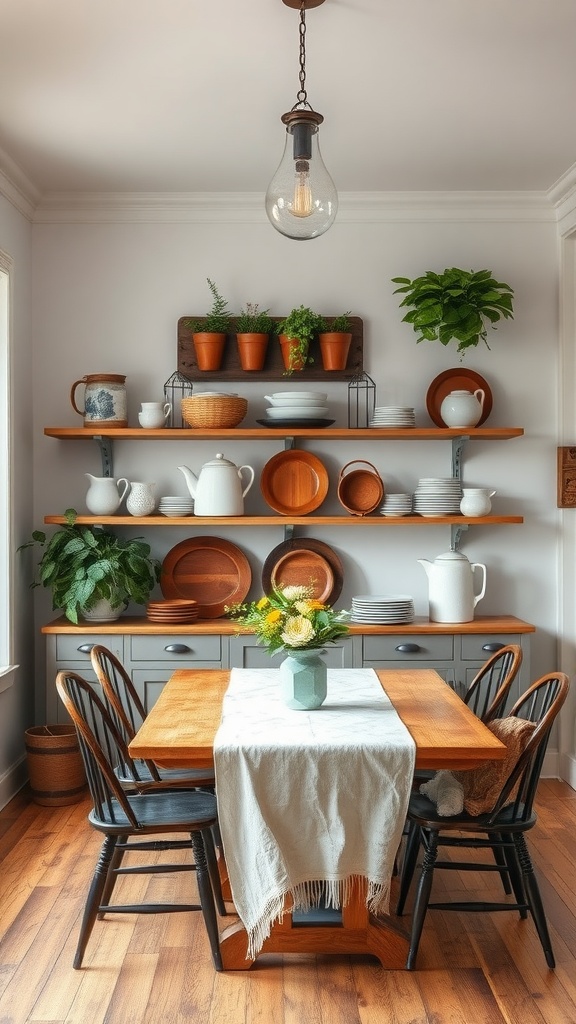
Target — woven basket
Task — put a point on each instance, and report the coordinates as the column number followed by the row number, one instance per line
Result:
column 214, row 411
column 361, row 490
column 55, row 765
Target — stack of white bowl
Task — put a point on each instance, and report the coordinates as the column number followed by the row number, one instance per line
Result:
column 396, row 505
column 437, row 496
column 293, row 406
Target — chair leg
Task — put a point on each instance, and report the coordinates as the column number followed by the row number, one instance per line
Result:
column 533, row 896
column 112, row 877
column 501, row 861
column 422, row 895
column 408, row 864
column 515, row 873
column 94, row 899
column 213, row 871
column 206, row 895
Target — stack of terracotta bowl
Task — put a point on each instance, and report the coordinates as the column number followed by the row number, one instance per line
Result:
column 172, row 612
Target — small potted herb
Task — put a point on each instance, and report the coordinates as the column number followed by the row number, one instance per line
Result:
column 87, row 565
column 457, row 305
column 335, row 337
column 295, row 333
column 209, row 332
column 253, row 329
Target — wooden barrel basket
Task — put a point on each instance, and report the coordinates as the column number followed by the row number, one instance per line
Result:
column 55, row 766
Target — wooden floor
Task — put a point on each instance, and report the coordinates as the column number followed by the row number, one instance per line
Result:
column 484, row 969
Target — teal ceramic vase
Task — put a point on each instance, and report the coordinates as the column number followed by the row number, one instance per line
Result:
column 303, row 680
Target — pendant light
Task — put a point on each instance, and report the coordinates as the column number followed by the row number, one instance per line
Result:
column 301, row 201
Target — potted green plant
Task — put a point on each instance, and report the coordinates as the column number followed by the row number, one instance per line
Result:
column 85, row 565
column 253, row 329
column 335, row 337
column 455, row 305
column 209, row 332
column 295, row 333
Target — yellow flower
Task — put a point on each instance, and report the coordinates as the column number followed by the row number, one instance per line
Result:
column 274, row 615
column 262, row 603
column 298, row 631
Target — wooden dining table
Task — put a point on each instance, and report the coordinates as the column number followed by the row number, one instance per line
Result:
column 179, row 731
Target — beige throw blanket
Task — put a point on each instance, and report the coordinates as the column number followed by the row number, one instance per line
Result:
column 308, row 801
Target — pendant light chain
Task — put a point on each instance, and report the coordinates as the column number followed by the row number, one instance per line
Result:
column 302, row 95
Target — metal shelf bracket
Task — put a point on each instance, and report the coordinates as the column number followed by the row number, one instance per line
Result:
column 457, row 449
column 105, row 446
column 455, row 536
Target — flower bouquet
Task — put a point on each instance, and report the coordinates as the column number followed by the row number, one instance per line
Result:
column 290, row 619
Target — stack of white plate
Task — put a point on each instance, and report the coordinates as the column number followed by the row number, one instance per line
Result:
column 396, row 505
column 174, row 505
column 383, row 608
column 297, row 405
column 393, row 416
column 438, row 496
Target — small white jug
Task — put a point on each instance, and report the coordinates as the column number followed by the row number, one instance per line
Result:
column 141, row 501
column 462, row 408
column 153, row 415
column 105, row 494
column 476, row 501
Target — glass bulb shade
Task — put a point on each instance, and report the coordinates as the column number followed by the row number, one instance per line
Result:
column 301, row 201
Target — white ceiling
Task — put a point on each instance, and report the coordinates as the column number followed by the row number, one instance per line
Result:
column 186, row 96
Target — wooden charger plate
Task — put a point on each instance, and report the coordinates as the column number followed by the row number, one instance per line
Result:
column 305, row 562
column 294, row 482
column 457, row 379
column 211, row 571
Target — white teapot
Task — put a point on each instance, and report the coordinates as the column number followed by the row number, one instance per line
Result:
column 451, row 596
column 218, row 490
column 462, row 408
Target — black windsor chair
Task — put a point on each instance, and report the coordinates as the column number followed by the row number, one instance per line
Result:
column 502, row 827
column 121, row 815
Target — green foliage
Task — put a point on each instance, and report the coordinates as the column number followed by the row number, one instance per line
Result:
column 83, row 564
column 455, row 305
column 337, row 324
column 218, row 319
column 253, row 320
column 291, row 619
column 301, row 324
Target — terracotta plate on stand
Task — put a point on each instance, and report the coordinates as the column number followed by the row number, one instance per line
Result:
column 294, row 482
column 305, row 562
column 209, row 570
column 458, row 379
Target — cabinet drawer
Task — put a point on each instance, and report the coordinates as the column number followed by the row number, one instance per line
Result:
column 479, row 647
column 75, row 648
column 174, row 648
column 419, row 648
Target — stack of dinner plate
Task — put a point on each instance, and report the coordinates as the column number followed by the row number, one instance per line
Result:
column 172, row 612
column 291, row 406
column 393, row 416
column 383, row 609
column 396, row 505
column 173, row 505
column 438, row 496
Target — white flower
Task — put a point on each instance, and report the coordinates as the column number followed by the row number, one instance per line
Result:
column 298, row 631
column 295, row 593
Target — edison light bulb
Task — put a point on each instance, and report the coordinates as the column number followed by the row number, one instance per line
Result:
column 301, row 201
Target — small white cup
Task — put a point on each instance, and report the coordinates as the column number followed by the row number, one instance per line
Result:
column 153, row 415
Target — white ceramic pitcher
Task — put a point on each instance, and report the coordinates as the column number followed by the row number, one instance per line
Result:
column 142, row 499
column 105, row 494
column 462, row 408
column 451, row 596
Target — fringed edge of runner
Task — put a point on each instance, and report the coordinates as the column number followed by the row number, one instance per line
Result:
column 334, row 894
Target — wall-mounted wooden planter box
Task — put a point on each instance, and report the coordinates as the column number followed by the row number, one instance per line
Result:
column 274, row 367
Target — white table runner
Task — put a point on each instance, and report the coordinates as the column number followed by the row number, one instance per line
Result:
column 308, row 801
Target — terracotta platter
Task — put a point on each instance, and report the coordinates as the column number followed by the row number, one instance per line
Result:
column 294, row 482
column 458, row 379
column 209, row 570
column 306, row 562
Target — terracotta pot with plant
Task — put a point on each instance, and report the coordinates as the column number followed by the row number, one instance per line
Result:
column 457, row 305
column 295, row 334
column 335, row 337
column 209, row 332
column 85, row 565
column 253, row 329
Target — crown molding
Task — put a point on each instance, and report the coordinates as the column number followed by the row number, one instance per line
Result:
column 248, row 207
column 17, row 188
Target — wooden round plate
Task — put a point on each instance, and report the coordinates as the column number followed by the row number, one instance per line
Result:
column 294, row 482
column 305, row 562
column 209, row 570
column 458, row 379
